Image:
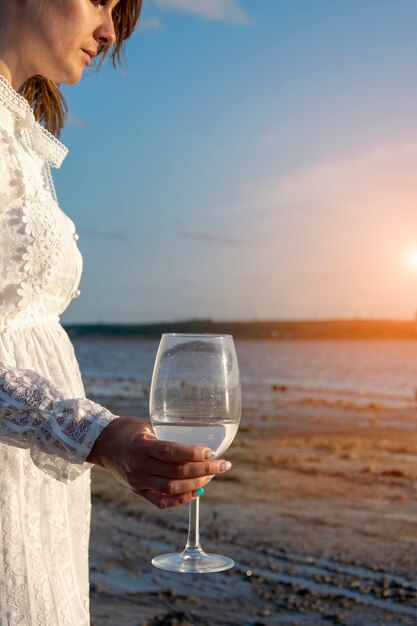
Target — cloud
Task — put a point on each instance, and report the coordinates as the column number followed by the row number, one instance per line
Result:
column 376, row 178
column 187, row 234
column 402, row 183
column 103, row 234
column 218, row 10
column 334, row 276
column 251, row 278
column 336, row 232
column 150, row 23
column 75, row 122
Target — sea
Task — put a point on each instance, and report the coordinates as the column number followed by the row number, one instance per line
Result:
column 349, row 374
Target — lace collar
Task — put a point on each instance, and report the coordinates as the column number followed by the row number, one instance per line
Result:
column 48, row 147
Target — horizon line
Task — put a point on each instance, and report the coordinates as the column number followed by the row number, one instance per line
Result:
column 246, row 321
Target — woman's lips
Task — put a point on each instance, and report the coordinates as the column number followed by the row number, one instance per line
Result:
column 88, row 56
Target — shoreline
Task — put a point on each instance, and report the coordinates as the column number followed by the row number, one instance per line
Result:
column 339, row 329
column 319, row 512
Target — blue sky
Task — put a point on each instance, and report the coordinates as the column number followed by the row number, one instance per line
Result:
column 256, row 159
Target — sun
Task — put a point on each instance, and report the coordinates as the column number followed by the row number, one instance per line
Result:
column 412, row 258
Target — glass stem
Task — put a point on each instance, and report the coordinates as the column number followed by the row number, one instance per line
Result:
column 193, row 547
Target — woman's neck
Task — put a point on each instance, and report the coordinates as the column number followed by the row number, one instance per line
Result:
column 4, row 71
column 11, row 38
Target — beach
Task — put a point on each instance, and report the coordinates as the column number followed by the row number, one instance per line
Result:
column 319, row 513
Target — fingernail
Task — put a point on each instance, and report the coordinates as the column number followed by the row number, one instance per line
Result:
column 199, row 492
column 209, row 454
column 225, row 465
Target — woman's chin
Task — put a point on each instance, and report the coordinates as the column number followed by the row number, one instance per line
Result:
column 72, row 81
column 71, row 78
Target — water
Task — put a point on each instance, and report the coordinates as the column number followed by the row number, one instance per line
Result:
column 370, row 371
column 379, row 369
column 217, row 436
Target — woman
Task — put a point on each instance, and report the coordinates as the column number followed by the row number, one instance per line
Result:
column 49, row 432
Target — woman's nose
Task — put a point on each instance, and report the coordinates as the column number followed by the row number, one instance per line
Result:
column 105, row 34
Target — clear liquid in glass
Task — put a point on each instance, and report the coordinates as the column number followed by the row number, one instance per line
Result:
column 215, row 435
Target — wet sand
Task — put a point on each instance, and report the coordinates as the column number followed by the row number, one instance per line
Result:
column 319, row 512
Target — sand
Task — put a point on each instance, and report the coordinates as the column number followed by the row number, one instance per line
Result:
column 319, row 512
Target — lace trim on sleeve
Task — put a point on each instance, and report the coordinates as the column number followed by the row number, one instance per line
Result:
column 59, row 432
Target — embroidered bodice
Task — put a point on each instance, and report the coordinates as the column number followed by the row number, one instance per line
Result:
column 40, row 265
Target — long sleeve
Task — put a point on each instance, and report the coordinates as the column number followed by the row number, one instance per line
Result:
column 59, row 432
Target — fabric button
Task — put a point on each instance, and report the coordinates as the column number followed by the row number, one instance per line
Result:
column 76, row 236
column 76, row 293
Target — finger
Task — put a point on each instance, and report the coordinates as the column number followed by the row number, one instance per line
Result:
column 190, row 470
column 164, row 501
column 174, row 487
column 177, row 452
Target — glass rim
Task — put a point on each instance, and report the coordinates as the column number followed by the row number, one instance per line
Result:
column 208, row 335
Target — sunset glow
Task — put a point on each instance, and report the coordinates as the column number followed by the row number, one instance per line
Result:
column 412, row 259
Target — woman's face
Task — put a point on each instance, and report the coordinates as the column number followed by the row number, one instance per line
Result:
column 61, row 36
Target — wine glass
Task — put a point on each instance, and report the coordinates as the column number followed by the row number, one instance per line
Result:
column 195, row 399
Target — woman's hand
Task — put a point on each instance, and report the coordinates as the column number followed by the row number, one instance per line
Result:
column 164, row 473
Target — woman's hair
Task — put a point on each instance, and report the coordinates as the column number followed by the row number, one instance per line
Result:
column 45, row 97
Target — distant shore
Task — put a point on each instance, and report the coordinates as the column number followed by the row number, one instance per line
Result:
column 281, row 329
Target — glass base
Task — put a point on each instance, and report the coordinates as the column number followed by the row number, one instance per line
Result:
column 200, row 563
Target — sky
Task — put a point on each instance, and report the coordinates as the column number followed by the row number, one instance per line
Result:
column 254, row 159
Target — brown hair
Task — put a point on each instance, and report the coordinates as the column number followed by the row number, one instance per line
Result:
column 44, row 96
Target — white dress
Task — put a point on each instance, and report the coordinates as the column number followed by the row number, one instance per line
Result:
column 47, row 426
